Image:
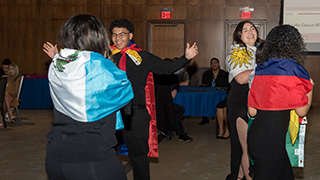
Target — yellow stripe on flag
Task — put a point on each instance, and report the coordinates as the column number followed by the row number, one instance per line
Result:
column 293, row 126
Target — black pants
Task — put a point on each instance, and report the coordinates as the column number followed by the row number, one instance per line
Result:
column 110, row 168
column 179, row 111
column 136, row 135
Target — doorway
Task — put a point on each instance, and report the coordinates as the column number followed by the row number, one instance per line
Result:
column 166, row 40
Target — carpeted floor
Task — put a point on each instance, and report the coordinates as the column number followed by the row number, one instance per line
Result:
column 22, row 151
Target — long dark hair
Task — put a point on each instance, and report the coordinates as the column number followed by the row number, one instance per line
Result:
column 84, row 32
column 238, row 32
column 283, row 41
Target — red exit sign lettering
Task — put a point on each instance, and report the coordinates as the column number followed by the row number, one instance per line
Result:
column 165, row 15
column 245, row 14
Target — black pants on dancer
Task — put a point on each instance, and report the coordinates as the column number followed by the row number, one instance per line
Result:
column 136, row 135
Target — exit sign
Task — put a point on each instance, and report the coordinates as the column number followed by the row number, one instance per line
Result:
column 165, row 14
column 245, row 14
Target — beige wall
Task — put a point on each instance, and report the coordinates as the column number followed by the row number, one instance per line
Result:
column 26, row 24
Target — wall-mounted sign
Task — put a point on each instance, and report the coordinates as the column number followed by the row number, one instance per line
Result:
column 165, row 13
column 245, row 13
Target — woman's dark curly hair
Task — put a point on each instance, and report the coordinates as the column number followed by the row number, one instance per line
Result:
column 283, row 41
column 238, row 32
column 121, row 23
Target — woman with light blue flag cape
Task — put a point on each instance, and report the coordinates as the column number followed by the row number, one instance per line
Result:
column 87, row 91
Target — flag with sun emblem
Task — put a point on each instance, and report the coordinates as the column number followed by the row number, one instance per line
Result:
column 240, row 59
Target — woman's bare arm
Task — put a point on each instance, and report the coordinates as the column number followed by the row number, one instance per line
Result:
column 242, row 78
column 50, row 49
column 302, row 111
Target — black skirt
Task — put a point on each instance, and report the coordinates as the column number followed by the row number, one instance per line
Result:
column 266, row 144
column 237, row 101
column 236, row 107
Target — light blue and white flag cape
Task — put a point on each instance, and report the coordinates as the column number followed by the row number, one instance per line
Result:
column 87, row 87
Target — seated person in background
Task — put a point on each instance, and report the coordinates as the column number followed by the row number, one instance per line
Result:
column 179, row 111
column 216, row 75
column 169, row 115
column 164, row 106
column 5, row 67
column 10, row 98
column 218, row 78
column 183, row 75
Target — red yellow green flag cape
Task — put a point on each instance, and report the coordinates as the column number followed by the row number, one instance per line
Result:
column 280, row 84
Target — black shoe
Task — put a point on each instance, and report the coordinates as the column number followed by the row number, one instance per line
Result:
column 167, row 136
column 185, row 138
column 203, row 122
column 222, row 137
column 219, row 137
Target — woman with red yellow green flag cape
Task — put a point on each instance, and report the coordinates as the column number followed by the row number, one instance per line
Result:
column 280, row 84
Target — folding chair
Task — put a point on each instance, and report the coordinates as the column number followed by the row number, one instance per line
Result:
column 18, row 98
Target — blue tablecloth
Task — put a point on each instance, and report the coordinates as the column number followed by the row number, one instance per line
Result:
column 35, row 94
column 199, row 101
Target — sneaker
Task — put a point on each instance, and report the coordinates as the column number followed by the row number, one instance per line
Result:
column 204, row 121
column 167, row 136
column 185, row 138
column 6, row 117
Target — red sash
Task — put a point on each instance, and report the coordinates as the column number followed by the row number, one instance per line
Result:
column 150, row 102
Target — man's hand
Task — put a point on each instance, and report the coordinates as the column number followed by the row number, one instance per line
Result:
column 192, row 51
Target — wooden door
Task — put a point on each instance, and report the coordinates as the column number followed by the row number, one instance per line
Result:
column 166, row 40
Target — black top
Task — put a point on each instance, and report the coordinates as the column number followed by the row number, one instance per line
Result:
column 2, row 72
column 70, row 141
column 137, row 74
column 221, row 79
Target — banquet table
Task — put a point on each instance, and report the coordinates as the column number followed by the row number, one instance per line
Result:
column 199, row 101
column 35, row 93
